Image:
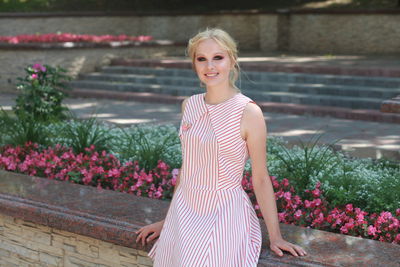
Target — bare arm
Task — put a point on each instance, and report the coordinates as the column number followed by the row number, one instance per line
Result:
column 255, row 131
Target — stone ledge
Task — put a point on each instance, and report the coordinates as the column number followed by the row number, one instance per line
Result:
column 391, row 105
column 91, row 45
column 186, row 13
column 298, row 109
column 82, row 210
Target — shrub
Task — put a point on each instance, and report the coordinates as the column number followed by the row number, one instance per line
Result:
column 42, row 92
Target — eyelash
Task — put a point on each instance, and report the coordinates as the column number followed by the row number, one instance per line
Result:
column 216, row 57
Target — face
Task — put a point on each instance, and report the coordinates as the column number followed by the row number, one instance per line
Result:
column 212, row 63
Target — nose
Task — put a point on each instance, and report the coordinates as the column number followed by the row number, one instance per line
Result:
column 210, row 65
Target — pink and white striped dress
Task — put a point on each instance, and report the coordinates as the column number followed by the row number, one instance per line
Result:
column 211, row 221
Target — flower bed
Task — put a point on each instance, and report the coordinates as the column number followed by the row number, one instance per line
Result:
column 104, row 170
column 70, row 37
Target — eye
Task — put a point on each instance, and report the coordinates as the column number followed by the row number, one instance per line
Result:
column 200, row 59
column 218, row 57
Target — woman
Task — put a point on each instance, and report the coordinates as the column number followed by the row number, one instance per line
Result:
column 211, row 221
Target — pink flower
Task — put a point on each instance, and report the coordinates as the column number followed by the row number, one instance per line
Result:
column 317, row 202
column 114, row 173
column 344, row 229
column 34, row 76
column 372, row 230
column 349, row 208
column 38, row 67
column 307, row 203
column 149, row 178
column 282, row 216
column 287, row 196
column 316, row 192
column 298, row 214
column 360, row 218
column 397, row 239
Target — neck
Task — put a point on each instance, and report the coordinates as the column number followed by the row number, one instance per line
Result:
column 218, row 95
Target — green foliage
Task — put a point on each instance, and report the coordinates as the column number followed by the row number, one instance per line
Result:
column 301, row 166
column 18, row 131
column 84, row 133
column 142, row 146
column 42, row 93
column 372, row 185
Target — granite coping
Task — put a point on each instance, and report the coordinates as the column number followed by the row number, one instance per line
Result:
column 114, row 217
column 391, row 105
column 88, row 45
column 277, row 11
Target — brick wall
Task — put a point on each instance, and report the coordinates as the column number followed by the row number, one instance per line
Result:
column 24, row 243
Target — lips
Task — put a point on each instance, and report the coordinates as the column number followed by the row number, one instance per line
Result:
column 211, row 74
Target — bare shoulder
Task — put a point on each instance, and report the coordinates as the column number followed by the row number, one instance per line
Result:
column 184, row 104
column 252, row 112
column 252, row 121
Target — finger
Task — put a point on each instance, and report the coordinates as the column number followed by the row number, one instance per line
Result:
column 138, row 237
column 143, row 237
column 299, row 250
column 291, row 250
column 151, row 237
column 277, row 251
column 302, row 251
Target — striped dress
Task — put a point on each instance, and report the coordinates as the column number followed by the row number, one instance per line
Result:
column 211, row 221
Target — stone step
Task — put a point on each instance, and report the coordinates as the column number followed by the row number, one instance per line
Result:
column 288, row 108
column 257, row 76
column 284, row 97
column 320, row 89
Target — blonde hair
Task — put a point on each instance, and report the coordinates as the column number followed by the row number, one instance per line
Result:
column 226, row 42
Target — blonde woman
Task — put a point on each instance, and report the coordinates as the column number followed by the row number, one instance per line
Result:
column 211, row 221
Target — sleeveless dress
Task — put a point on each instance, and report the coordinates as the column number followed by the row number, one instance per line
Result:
column 211, row 221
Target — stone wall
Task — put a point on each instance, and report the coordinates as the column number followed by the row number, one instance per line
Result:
column 344, row 33
column 24, row 243
column 75, row 60
column 339, row 32
column 244, row 28
column 46, row 222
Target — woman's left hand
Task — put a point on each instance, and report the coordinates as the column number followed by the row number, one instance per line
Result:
column 280, row 244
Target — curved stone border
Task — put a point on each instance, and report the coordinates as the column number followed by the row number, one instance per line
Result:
column 72, row 45
column 182, row 13
column 113, row 217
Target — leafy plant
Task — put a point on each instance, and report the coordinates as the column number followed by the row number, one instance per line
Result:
column 85, row 133
column 140, row 146
column 19, row 131
column 301, row 165
column 42, row 92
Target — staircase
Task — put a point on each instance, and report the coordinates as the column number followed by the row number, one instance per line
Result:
column 288, row 92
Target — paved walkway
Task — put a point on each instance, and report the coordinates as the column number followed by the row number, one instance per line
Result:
column 358, row 138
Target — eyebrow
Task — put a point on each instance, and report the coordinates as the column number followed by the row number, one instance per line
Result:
column 198, row 54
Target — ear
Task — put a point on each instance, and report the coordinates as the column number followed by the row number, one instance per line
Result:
column 233, row 63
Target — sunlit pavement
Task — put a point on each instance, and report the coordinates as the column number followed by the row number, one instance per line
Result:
column 358, row 138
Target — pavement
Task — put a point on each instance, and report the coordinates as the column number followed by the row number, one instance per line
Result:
column 360, row 139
